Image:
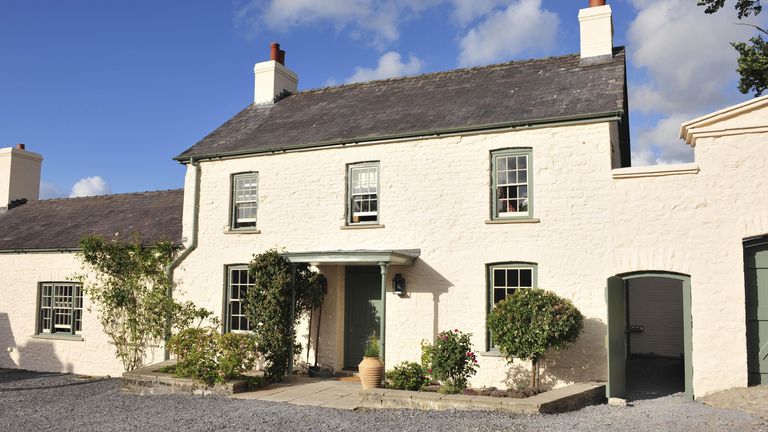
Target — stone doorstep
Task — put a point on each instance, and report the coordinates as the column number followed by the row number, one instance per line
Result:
column 564, row 399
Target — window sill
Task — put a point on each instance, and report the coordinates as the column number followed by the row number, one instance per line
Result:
column 361, row 226
column 512, row 221
column 492, row 353
column 242, row 231
column 74, row 338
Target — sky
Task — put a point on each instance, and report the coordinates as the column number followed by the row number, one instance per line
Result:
column 110, row 91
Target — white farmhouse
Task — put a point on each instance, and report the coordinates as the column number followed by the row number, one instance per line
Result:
column 425, row 200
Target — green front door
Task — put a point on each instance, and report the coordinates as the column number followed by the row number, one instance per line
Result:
column 756, row 277
column 616, row 299
column 362, row 311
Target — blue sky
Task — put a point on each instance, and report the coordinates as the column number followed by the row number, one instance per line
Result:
column 110, row 91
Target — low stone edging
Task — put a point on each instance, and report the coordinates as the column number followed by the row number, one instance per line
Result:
column 569, row 398
column 147, row 381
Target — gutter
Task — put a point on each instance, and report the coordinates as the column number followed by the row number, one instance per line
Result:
column 497, row 127
column 193, row 244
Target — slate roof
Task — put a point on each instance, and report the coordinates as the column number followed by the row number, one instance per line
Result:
column 518, row 92
column 61, row 223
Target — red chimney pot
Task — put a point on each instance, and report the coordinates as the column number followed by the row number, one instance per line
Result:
column 596, row 3
column 21, row 146
column 274, row 50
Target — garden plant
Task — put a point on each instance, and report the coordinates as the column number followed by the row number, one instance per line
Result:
column 530, row 322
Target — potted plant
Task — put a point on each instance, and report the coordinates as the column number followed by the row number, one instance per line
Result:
column 371, row 368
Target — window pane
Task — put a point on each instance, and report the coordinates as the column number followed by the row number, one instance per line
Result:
column 499, row 279
column 526, row 278
column 522, row 162
column 512, row 278
column 511, row 163
column 499, row 295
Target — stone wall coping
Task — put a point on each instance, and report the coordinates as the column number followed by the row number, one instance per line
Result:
column 655, row 171
column 568, row 398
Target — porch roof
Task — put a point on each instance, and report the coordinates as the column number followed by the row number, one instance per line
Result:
column 358, row 257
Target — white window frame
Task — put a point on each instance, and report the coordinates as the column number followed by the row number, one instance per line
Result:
column 492, row 287
column 506, row 154
column 60, row 308
column 351, row 194
column 238, row 199
column 230, row 299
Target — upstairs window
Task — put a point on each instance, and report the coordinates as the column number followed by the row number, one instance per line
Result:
column 245, row 200
column 512, row 184
column 363, row 193
column 61, row 308
column 239, row 281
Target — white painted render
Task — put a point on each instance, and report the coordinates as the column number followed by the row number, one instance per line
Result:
column 20, row 348
column 435, row 197
column 19, row 175
column 271, row 79
column 656, row 304
column 596, row 30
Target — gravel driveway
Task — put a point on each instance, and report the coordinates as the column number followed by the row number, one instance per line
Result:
column 39, row 401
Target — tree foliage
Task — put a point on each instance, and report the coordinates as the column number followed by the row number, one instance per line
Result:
column 268, row 307
column 209, row 356
column 531, row 322
column 753, row 55
column 130, row 286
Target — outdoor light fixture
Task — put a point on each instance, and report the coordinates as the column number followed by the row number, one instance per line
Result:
column 398, row 284
column 323, row 281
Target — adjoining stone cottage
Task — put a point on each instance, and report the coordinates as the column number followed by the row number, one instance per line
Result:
column 462, row 186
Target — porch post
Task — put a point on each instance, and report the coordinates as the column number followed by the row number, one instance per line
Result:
column 383, row 320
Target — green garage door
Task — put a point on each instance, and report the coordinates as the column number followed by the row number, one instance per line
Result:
column 756, row 275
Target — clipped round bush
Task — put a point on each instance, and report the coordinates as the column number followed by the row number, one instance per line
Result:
column 452, row 360
column 407, row 376
column 531, row 322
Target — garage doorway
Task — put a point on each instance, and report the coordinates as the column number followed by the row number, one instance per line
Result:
column 649, row 328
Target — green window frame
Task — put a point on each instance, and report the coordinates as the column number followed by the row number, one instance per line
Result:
column 60, row 308
column 239, row 281
column 245, row 200
column 506, row 277
column 512, row 184
column 363, row 193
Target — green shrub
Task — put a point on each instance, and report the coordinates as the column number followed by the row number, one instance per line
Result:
column 372, row 347
column 407, row 376
column 530, row 322
column 278, row 287
column 206, row 355
column 452, row 360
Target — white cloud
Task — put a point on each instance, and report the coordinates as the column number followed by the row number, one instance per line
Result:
column 376, row 19
column 390, row 65
column 523, row 27
column 90, row 186
column 49, row 190
column 466, row 11
column 660, row 143
column 690, row 69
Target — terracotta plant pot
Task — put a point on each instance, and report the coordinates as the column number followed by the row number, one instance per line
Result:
column 371, row 371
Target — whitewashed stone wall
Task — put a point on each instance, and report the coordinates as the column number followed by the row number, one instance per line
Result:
column 435, row 197
column 19, row 348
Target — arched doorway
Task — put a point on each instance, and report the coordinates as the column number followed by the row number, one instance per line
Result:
column 649, row 335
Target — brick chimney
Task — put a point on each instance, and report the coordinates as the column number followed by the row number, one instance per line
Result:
column 596, row 24
column 19, row 175
column 272, row 79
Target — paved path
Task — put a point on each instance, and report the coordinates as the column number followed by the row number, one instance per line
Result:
column 314, row 392
column 752, row 400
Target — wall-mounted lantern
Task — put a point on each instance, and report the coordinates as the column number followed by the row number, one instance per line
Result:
column 323, row 282
column 398, row 284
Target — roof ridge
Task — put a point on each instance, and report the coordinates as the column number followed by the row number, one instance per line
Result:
column 436, row 73
column 158, row 191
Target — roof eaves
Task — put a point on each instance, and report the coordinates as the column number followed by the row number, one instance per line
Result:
column 514, row 125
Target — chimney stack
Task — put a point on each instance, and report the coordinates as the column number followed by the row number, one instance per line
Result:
column 596, row 24
column 19, row 175
column 272, row 79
